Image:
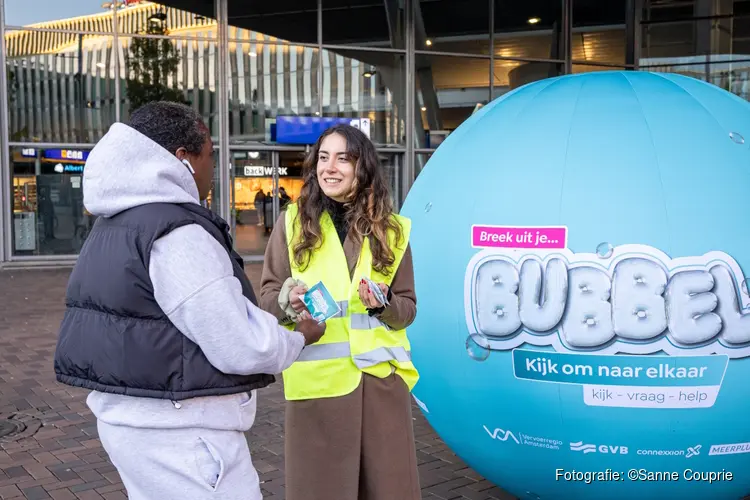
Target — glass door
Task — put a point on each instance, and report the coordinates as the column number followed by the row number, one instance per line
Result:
column 290, row 176
column 263, row 183
column 253, row 184
column 392, row 163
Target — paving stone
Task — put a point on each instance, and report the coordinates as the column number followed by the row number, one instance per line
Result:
column 60, row 456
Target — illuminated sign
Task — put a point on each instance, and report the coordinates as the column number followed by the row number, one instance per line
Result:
column 260, row 171
column 61, row 168
column 68, row 169
column 66, row 154
column 28, row 153
column 307, row 129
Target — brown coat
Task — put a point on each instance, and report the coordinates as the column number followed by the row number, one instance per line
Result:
column 357, row 446
column 276, row 269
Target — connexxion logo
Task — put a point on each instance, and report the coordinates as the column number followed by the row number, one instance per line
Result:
column 692, row 451
column 636, row 301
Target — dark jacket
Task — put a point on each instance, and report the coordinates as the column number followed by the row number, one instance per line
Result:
column 114, row 337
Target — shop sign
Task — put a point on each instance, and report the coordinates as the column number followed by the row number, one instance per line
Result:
column 62, row 168
column 66, row 154
column 261, row 171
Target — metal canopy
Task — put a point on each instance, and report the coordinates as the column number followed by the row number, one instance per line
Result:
column 365, row 21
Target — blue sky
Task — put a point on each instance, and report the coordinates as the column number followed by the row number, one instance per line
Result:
column 22, row 12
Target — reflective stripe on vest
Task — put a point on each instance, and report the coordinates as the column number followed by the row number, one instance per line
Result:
column 344, row 306
column 359, row 321
column 336, row 350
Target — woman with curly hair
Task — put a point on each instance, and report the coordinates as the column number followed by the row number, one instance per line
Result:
column 349, row 431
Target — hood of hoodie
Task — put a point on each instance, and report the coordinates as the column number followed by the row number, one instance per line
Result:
column 127, row 169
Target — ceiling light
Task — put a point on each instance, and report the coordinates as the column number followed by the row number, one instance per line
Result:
column 428, row 43
column 252, row 54
column 534, row 20
column 101, row 65
column 424, row 108
column 368, row 74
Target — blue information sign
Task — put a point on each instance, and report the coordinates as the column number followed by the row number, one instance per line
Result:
column 307, row 129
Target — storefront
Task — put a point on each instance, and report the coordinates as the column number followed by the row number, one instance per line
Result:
column 255, row 189
column 48, row 213
column 267, row 82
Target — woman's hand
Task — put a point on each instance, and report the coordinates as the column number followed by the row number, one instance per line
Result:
column 295, row 298
column 367, row 297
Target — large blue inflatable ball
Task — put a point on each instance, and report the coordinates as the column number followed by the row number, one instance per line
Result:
column 580, row 249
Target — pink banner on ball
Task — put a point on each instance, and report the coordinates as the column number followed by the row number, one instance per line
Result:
column 550, row 237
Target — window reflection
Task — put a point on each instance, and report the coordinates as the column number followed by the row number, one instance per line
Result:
column 65, row 96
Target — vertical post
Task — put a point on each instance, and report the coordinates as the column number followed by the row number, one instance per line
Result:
column 81, row 93
column 222, row 21
column 6, row 212
column 275, row 192
column 567, row 30
column 492, row 50
column 409, row 114
column 633, row 15
column 320, row 57
column 116, row 52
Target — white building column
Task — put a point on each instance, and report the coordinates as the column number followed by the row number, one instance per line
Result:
column 222, row 90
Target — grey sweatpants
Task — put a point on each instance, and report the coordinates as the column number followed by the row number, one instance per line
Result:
column 181, row 464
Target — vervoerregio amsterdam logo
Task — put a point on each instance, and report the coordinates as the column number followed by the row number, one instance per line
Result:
column 504, row 435
column 501, row 435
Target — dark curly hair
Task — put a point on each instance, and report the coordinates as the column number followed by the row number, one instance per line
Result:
column 171, row 125
column 369, row 207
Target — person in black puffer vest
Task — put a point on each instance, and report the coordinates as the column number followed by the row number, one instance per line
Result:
column 161, row 322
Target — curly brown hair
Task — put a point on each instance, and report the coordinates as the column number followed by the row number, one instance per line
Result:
column 369, row 207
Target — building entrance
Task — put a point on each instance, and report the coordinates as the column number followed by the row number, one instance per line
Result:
column 264, row 182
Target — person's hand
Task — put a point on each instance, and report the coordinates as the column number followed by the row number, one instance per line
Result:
column 310, row 329
column 367, row 297
column 295, row 298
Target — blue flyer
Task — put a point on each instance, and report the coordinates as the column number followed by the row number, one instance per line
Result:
column 320, row 303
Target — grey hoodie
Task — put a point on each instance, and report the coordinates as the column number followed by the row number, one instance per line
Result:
column 193, row 284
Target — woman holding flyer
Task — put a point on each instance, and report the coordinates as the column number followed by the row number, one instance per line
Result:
column 342, row 254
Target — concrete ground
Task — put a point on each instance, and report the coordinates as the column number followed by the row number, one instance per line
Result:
column 58, row 455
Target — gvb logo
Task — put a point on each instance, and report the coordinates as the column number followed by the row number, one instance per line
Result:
column 602, row 448
column 585, row 448
column 501, row 435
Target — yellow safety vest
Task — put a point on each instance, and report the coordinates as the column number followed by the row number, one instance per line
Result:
column 354, row 342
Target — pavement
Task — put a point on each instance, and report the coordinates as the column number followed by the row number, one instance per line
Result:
column 58, row 455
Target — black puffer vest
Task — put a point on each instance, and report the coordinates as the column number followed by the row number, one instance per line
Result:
column 114, row 337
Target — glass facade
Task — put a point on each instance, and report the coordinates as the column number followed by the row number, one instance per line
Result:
column 409, row 72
